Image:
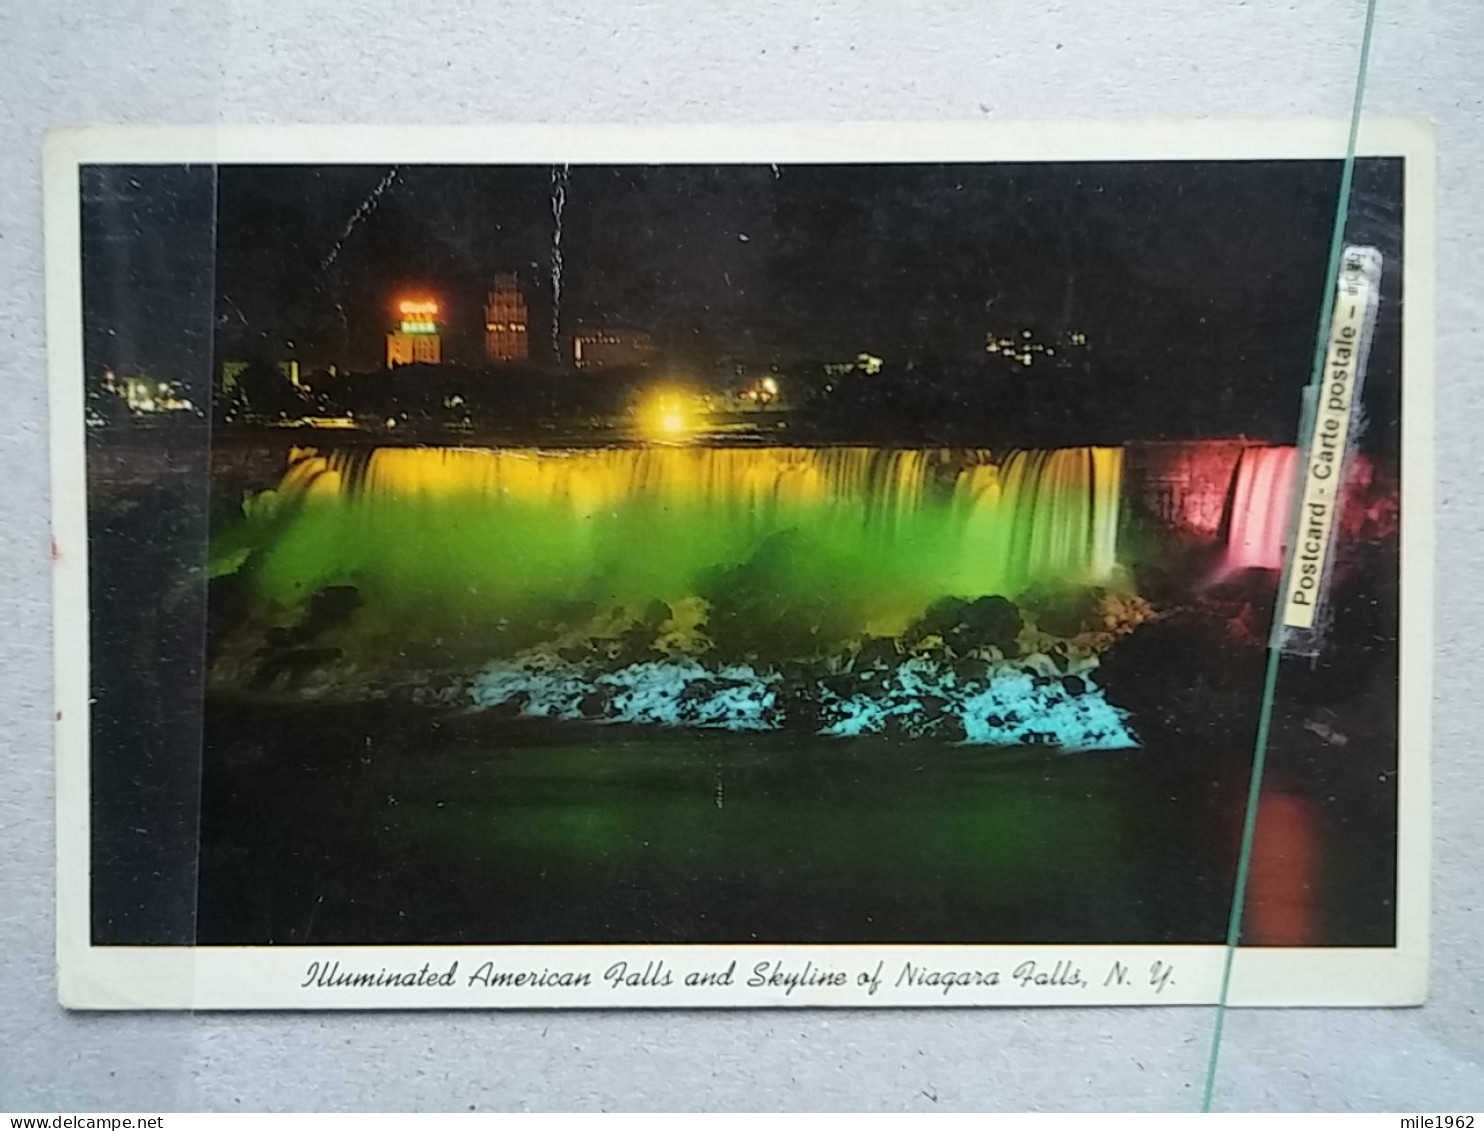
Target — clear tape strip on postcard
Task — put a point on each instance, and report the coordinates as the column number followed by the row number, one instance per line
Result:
column 1331, row 424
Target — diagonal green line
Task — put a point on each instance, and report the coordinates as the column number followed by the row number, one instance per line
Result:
column 1275, row 636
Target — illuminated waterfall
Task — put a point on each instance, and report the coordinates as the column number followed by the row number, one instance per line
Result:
column 1063, row 506
column 1261, row 500
column 480, row 533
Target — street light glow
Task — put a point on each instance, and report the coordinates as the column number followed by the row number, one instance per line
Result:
column 667, row 416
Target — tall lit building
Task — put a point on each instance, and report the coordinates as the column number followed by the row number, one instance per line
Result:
column 612, row 349
column 415, row 341
column 505, row 327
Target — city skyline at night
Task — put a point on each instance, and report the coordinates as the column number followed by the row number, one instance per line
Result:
column 1156, row 276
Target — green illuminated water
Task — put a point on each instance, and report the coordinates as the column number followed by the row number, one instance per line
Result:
column 433, row 537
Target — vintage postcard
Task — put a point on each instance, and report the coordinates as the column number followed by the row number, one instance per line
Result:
column 578, row 566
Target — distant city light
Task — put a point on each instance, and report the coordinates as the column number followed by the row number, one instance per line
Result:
column 1024, row 347
column 413, row 307
column 147, row 394
column 862, row 363
column 342, row 422
column 761, row 392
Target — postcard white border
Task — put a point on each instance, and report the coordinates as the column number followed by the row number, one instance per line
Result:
column 93, row 977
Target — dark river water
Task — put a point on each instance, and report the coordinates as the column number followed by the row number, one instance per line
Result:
column 377, row 824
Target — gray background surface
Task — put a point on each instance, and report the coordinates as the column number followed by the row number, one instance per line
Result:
column 389, row 61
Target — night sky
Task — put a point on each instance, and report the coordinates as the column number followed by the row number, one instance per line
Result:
column 1205, row 275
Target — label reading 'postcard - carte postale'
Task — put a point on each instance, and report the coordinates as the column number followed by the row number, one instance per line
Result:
column 1334, row 408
